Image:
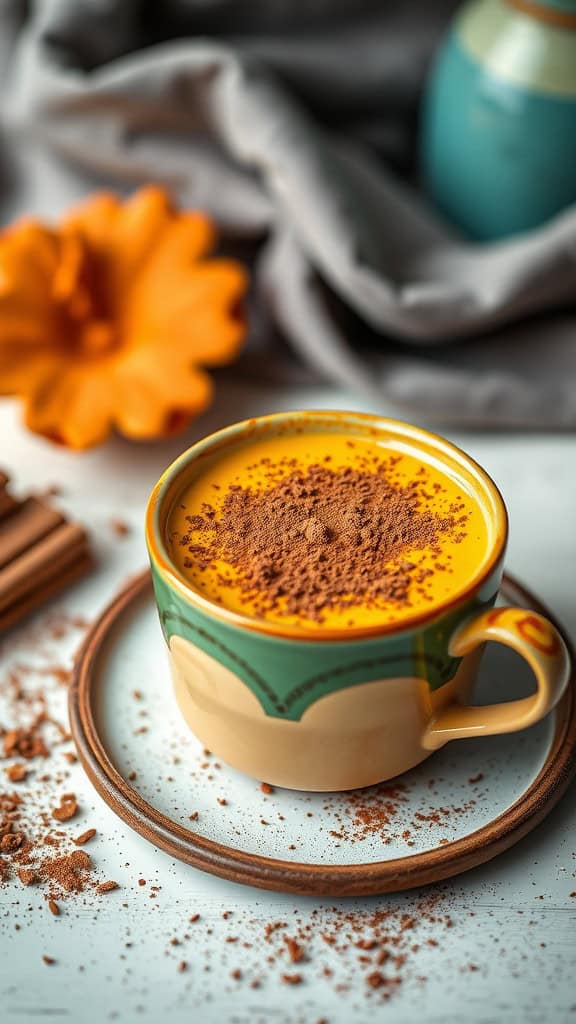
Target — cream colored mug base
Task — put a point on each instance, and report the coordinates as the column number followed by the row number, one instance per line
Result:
column 348, row 739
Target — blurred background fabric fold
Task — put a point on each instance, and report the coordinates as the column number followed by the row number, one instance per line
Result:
column 295, row 123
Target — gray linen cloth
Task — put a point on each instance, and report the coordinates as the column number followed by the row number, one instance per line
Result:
column 294, row 122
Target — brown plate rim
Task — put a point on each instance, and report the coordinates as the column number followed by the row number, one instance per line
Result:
column 303, row 878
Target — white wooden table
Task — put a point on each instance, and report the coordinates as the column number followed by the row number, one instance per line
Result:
column 514, row 918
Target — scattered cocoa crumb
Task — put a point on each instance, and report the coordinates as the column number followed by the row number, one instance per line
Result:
column 194, row 918
column 54, row 908
column 182, row 966
column 48, row 960
column 236, row 974
column 222, row 801
column 291, row 979
column 193, row 816
column 27, row 876
column 376, row 979
column 476, row 778
column 119, row 527
column 31, row 685
column 68, row 808
column 26, row 742
column 295, row 951
column 106, row 887
column 84, row 837
column 266, row 788
column 11, row 842
column 69, row 871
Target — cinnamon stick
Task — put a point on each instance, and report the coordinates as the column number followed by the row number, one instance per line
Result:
column 32, row 521
column 34, row 600
column 40, row 554
column 7, row 503
column 51, row 555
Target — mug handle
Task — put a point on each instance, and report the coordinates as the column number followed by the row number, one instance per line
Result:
column 539, row 642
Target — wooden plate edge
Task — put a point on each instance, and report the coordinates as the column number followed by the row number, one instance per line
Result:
column 313, row 879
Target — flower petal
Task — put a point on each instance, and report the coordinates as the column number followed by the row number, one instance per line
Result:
column 72, row 406
column 87, row 419
column 154, row 401
column 23, row 371
column 107, row 318
column 197, row 317
column 183, row 240
column 130, row 235
column 96, row 219
column 29, row 256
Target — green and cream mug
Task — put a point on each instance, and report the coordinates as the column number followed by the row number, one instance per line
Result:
column 336, row 709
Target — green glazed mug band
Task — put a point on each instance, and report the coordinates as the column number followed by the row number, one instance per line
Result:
column 289, row 673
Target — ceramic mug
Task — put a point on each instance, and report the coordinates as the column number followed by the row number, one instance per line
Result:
column 335, row 710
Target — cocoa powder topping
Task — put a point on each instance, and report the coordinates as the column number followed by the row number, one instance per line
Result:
column 319, row 538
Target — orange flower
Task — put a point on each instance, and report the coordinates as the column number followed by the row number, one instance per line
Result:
column 107, row 320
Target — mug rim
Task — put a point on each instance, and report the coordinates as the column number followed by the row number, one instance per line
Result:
column 371, row 423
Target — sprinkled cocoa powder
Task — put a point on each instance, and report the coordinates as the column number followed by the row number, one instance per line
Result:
column 67, row 871
column 375, row 811
column 35, row 837
column 319, row 539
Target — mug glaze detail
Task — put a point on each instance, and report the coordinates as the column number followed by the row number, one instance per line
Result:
column 333, row 711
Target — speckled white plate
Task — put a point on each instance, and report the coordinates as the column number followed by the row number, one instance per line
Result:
column 461, row 807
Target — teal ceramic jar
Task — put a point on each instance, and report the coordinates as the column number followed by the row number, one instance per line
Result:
column 499, row 122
